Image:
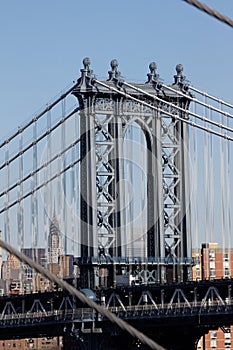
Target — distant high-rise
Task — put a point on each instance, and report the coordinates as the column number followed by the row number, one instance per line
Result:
column 54, row 241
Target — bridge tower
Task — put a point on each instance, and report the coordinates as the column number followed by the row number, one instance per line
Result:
column 107, row 110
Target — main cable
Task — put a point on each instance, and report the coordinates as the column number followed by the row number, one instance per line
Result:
column 40, row 138
column 204, row 119
column 42, row 166
column 38, row 116
column 187, row 121
column 216, row 99
column 40, row 186
column 195, row 100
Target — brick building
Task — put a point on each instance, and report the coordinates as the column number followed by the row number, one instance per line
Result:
column 54, row 343
column 212, row 262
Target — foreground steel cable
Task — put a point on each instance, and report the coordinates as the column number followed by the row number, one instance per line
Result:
column 211, row 12
column 65, row 286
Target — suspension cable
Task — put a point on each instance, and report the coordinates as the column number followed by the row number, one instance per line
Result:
column 194, row 173
column 37, row 117
column 73, row 291
column 203, row 93
column 42, row 166
column 187, row 121
column 193, row 99
column 211, row 12
column 40, row 138
column 29, row 193
column 204, row 119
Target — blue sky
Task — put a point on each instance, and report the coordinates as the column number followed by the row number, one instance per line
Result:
column 43, row 44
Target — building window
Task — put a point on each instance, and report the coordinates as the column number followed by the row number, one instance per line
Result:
column 213, row 343
column 227, row 335
column 226, row 273
column 212, row 273
column 212, row 255
column 213, row 335
column 212, row 264
column 197, row 259
column 226, row 264
column 226, row 256
column 227, row 343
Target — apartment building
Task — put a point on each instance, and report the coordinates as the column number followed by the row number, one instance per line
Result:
column 51, row 343
column 213, row 262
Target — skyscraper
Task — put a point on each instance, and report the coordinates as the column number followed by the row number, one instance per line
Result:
column 54, row 241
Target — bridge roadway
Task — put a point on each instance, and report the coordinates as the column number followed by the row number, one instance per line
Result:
column 174, row 315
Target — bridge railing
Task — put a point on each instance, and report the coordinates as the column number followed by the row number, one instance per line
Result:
column 84, row 315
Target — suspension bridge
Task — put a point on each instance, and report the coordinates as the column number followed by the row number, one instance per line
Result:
column 134, row 176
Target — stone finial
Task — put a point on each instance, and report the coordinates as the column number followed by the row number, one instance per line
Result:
column 86, row 62
column 152, row 76
column 86, row 70
column 114, row 73
column 179, row 77
column 85, row 83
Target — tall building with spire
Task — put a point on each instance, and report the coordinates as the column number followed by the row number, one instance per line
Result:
column 54, row 241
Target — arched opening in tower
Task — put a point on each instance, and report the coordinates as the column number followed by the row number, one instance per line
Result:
column 136, row 150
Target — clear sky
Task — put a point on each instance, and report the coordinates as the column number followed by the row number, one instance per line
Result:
column 43, row 43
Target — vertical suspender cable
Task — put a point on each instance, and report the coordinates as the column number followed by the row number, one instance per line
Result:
column 63, row 143
column 6, row 218
column 210, row 176
column 205, row 160
column 32, row 236
column 48, row 194
column 131, row 194
column 228, row 205
column 74, row 189
column 194, row 190
column 7, row 212
column 34, row 195
column 205, row 190
column 143, row 167
column 73, row 196
column 128, row 184
column 211, row 188
column 20, row 214
column 78, row 196
column 20, row 194
column 58, row 190
column 222, row 189
column 35, row 205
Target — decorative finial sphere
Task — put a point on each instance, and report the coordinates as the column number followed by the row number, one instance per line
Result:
column 179, row 68
column 86, row 62
column 152, row 66
column 114, row 63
